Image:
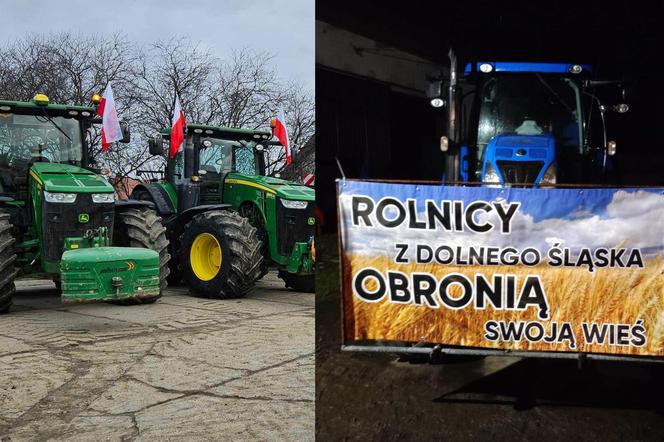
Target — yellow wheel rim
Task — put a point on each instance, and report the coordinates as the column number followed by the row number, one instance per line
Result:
column 205, row 256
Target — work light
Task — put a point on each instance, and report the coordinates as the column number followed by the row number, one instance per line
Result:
column 292, row 204
column 575, row 69
column 437, row 102
column 486, row 68
column 53, row 197
column 103, row 198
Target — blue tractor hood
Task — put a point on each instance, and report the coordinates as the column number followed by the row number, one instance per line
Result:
column 520, row 158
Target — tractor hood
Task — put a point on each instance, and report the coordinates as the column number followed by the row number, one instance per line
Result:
column 282, row 188
column 56, row 177
column 512, row 147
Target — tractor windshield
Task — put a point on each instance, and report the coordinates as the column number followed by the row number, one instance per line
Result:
column 218, row 156
column 38, row 138
column 530, row 104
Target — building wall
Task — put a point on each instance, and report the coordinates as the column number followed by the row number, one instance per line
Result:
column 371, row 115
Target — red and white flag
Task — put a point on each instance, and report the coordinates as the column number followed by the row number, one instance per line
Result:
column 177, row 128
column 110, row 123
column 279, row 130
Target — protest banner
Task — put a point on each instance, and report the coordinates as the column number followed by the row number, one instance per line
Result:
column 520, row 269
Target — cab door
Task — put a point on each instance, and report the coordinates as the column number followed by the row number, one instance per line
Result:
column 211, row 173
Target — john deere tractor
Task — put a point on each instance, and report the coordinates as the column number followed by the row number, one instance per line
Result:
column 227, row 167
column 60, row 217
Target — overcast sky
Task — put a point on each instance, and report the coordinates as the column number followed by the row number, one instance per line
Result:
column 285, row 28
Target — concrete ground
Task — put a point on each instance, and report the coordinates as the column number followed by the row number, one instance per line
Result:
column 181, row 369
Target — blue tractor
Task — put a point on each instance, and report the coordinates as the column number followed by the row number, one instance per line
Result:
column 526, row 124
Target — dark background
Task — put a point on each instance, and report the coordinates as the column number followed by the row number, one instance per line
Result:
column 379, row 133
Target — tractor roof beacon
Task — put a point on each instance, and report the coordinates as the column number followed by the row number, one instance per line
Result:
column 227, row 168
column 59, row 216
column 526, row 124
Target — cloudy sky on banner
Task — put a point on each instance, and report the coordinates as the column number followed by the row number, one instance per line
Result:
column 571, row 218
column 284, row 28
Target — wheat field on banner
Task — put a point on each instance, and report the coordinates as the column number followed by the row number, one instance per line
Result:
column 574, row 294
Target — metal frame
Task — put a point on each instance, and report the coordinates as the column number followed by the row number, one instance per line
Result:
column 438, row 349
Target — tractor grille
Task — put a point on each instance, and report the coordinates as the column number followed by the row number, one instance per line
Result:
column 60, row 220
column 293, row 226
column 520, row 172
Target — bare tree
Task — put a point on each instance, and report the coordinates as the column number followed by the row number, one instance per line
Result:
column 247, row 91
column 167, row 68
column 300, row 120
column 243, row 91
column 69, row 68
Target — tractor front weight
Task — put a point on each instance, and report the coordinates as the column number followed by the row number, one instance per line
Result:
column 91, row 270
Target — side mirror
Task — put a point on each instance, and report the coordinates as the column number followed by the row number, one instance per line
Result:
column 156, row 144
column 126, row 133
column 628, row 93
column 434, row 92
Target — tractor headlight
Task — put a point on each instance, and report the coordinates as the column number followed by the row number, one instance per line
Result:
column 549, row 176
column 291, row 204
column 103, row 198
column 491, row 178
column 52, row 197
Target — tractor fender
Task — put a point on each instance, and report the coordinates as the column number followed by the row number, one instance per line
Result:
column 187, row 215
column 175, row 225
column 158, row 196
column 124, row 204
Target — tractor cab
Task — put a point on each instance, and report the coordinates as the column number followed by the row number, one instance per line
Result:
column 43, row 154
column 61, row 216
column 526, row 124
column 36, row 132
column 211, row 153
column 222, row 165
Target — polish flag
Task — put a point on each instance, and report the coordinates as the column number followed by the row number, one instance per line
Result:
column 279, row 130
column 110, row 123
column 177, row 128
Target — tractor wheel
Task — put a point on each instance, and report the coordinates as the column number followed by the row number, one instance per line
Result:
column 175, row 275
column 221, row 255
column 299, row 283
column 142, row 227
column 251, row 212
column 7, row 258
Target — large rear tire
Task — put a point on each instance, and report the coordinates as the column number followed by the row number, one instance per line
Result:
column 175, row 275
column 299, row 283
column 142, row 227
column 220, row 255
column 251, row 212
column 7, row 270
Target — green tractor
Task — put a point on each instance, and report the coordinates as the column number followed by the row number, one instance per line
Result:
column 228, row 167
column 59, row 217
